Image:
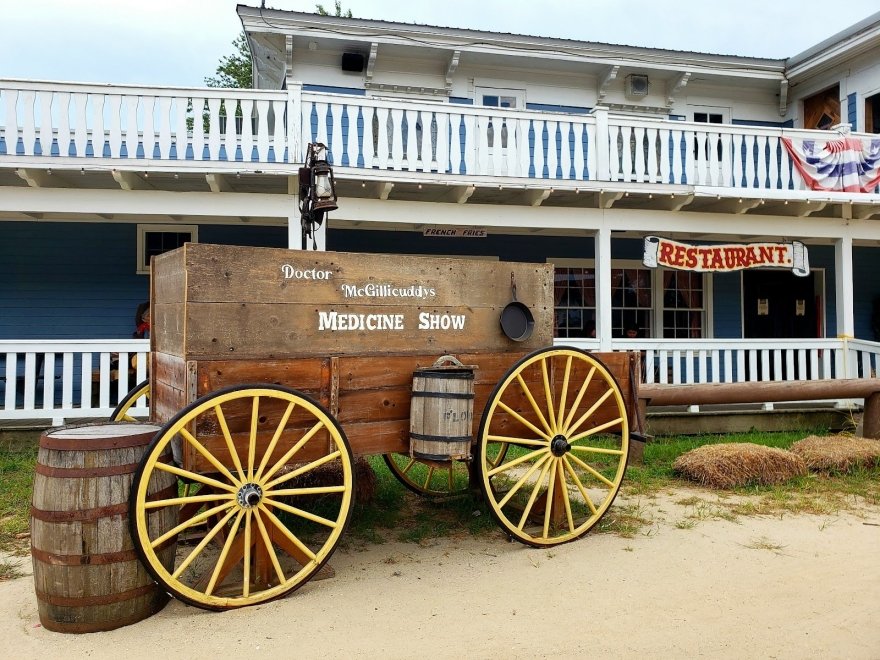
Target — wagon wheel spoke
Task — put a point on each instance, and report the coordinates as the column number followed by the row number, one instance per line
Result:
column 122, row 411
column 561, row 416
column 429, row 478
column 272, row 503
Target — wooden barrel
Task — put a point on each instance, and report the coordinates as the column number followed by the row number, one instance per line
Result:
column 441, row 415
column 87, row 575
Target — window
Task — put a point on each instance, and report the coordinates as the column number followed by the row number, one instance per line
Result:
column 683, row 306
column 638, row 297
column 631, row 301
column 156, row 239
column 497, row 97
column 872, row 114
column 574, row 290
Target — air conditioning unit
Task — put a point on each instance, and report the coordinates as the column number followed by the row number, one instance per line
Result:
column 637, row 85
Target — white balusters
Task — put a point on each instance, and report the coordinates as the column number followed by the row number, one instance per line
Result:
column 45, row 131
column 370, row 138
column 28, row 125
column 396, row 137
column 455, row 156
column 279, row 138
column 181, row 134
column 565, row 149
column 638, row 149
column 485, row 142
column 262, row 121
column 213, row 128
column 148, row 139
column 383, row 145
column 246, row 135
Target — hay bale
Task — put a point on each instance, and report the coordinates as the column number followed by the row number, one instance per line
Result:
column 739, row 464
column 837, row 453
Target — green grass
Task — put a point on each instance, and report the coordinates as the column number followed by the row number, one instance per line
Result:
column 396, row 514
column 17, row 459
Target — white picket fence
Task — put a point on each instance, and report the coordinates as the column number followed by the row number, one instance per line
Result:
column 58, row 380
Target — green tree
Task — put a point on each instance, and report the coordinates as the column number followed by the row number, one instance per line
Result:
column 234, row 70
column 319, row 9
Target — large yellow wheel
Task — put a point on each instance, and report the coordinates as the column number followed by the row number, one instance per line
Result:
column 561, row 415
column 121, row 414
column 265, row 490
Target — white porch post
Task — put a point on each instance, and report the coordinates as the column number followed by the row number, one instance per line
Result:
column 602, row 166
column 843, row 283
column 843, row 286
column 294, row 230
column 602, row 248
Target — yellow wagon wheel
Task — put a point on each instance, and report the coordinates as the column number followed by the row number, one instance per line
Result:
column 562, row 416
column 120, row 414
column 429, row 478
column 434, row 478
column 265, row 490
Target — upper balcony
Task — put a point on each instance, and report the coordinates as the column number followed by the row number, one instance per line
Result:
column 123, row 135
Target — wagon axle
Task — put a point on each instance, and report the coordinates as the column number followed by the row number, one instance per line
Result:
column 249, row 496
column 559, row 446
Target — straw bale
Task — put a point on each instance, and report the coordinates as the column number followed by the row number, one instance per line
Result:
column 837, row 453
column 739, row 464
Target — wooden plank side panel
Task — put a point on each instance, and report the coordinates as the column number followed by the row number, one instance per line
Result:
column 223, row 273
column 257, row 303
column 167, row 302
column 167, row 386
column 260, row 331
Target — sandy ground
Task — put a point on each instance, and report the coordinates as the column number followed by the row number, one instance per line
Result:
column 800, row 586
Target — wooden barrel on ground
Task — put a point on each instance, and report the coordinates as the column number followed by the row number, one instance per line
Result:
column 87, row 575
column 441, row 415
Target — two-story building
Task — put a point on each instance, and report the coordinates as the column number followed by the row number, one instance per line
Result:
column 476, row 144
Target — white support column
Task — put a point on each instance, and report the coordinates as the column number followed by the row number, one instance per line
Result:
column 602, row 163
column 602, row 241
column 294, row 230
column 843, row 283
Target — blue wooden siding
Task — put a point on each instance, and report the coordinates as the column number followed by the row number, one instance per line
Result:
column 852, row 110
column 78, row 280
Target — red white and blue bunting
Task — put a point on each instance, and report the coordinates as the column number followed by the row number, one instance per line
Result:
column 841, row 164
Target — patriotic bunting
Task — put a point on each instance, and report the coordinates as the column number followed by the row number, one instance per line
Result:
column 843, row 164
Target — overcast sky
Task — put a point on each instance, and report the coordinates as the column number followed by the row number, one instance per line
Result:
column 179, row 42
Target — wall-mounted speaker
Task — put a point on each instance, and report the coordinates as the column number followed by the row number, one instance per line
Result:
column 352, row 62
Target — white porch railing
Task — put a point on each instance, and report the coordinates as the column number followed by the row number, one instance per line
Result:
column 80, row 125
column 73, row 122
column 685, row 361
column 69, row 379
column 56, row 380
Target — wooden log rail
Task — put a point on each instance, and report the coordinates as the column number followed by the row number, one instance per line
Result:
column 718, row 393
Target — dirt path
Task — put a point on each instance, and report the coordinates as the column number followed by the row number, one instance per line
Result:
column 792, row 587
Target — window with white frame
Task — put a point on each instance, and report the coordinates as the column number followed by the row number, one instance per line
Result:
column 638, row 296
column 574, row 292
column 156, row 239
column 684, row 307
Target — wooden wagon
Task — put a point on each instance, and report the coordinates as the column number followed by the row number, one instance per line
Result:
column 273, row 370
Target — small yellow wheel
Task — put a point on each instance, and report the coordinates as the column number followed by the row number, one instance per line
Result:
column 120, row 414
column 429, row 478
column 563, row 422
column 265, row 490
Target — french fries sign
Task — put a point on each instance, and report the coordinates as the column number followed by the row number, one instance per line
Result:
column 665, row 253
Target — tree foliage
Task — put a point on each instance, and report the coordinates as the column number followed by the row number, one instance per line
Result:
column 319, row 9
column 234, row 70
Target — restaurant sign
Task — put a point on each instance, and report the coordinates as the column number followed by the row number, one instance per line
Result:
column 662, row 252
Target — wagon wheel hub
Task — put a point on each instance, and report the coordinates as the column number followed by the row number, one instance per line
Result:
column 559, row 445
column 249, row 496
